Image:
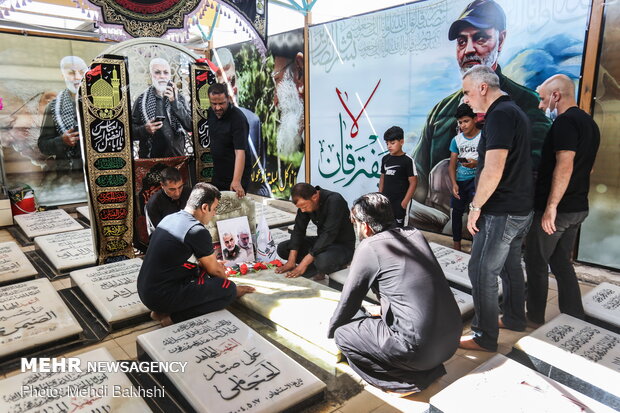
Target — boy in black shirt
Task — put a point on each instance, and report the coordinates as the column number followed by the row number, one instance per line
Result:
column 398, row 175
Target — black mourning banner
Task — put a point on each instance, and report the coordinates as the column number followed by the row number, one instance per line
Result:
column 201, row 77
column 106, row 148
column 146, row 18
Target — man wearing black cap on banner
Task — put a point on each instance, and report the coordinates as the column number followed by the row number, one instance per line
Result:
column 480, row 32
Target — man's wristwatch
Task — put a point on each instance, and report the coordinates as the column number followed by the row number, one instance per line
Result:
column 473, row 208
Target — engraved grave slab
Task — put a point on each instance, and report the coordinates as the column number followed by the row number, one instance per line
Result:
column 579, row 348
column 603, row 303
column 112, row 289
column 311, row 230
column 68, row 250
column 31, row 314
column 46, row 222
column 275, row 217
column 232, row 207
column 231, row 368
column 85, row 391
column 286, row 301
column 83, row 211
column 503, row 385
column 14, row 264
column 454, row 264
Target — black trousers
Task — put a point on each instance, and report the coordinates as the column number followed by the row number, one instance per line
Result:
column 382, row 361
column 332, row 259
column 543, row 251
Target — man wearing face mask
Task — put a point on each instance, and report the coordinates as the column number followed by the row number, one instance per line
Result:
column 160, row 116
column 59, row 132
column 561, row 199
column 480, row 32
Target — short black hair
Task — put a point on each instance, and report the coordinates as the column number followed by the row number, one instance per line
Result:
column 302, row 190
column 464, row 110
column 218, row 89
column 203, row 193
column 170, row 174
column 395, row 133
column 375, row 210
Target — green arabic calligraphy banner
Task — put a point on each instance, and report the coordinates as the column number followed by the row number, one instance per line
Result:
column 201, row 77
column 106, row 147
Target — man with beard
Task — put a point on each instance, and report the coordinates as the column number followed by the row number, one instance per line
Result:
column 402, row 349
column 160, row 116
column 480, row 33
column 245, row 245
column 59, row 132
column 228, row 130
column 256, row 145
column 288, row 77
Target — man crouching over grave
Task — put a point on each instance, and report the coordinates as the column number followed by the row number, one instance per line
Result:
column 403, row 349
column 173, row 288
column 332, row 248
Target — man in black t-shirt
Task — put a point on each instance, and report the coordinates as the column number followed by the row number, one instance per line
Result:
column 173, row 288
column 332, row 248
column 171, row 198
column 561, row 199
column 501, row 211
column 228, row 132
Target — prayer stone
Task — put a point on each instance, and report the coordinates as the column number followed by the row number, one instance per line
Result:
column 32, row 314
column 230, row 367
column 503, row 385
column 230, row 206
column 83, row 211
column 89, row 390
column 286, row 302
column 14, row 264
column 112, row 289
column 68, row 250
column 46, row 222
column 603, row 303
column 578, row 348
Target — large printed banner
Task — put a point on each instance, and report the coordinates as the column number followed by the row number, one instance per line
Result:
column 399, row 67
column 200, row 79
column 104, row 114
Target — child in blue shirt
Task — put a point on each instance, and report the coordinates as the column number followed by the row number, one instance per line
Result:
column 462, row 168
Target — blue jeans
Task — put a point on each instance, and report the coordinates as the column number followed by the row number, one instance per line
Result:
column 496, row 251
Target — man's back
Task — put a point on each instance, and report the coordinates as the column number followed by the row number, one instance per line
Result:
column 416, row 301
column 574, row 130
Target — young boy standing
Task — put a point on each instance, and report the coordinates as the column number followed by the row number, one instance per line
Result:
column 463, row 163
column 398, row 175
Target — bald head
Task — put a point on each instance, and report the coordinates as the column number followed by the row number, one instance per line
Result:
column 559, row 83
column 557, row 91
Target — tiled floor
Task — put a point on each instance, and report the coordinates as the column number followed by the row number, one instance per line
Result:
column 122, row 345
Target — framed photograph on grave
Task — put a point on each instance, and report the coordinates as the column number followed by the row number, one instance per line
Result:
column 236, row 240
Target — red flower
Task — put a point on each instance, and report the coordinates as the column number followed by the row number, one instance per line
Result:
column 277, row 263
column 259, row 266
column 243, row 269
column 230, row 271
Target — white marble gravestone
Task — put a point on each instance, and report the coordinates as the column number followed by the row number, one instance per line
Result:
column 89, row 391
column 503, row 385
column 603, row 303
column 231, row 368
column 68, row 250
column 84, row 211
column 279, row 235
column 230, row 206
column 46, row 222
column 311, row 229
column 581, row 349
column 275, row 217
column 464, row 301
column 14, row 264
column 287, row 302
column 31, row 314
column 453, row 263
column 112, row 289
